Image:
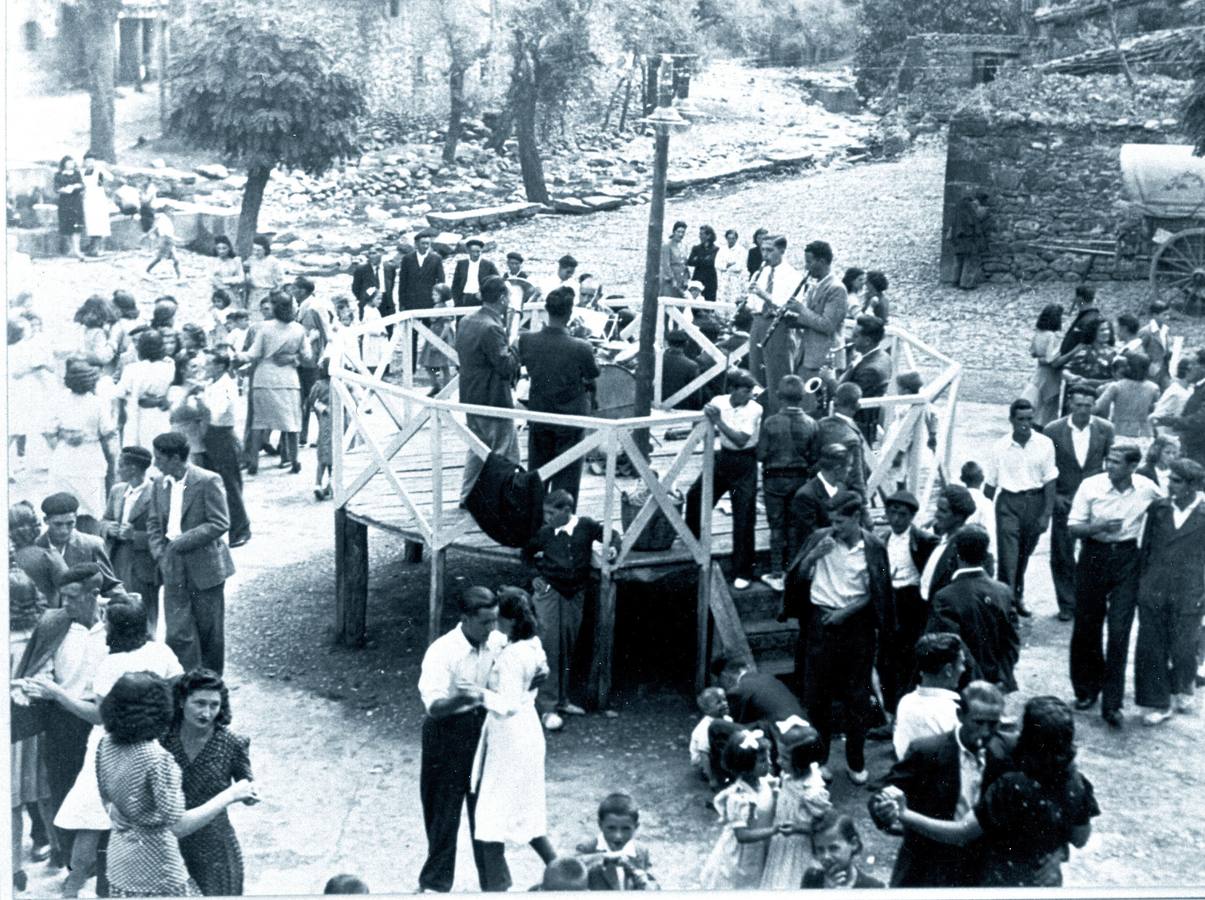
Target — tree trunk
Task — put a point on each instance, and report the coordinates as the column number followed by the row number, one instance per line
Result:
column 455, row 112
column 248, row 216
column 529, row 146
column 99, row 19
column 646, row 358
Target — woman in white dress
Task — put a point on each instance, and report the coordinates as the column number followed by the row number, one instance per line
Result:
column 508, row 772
column 31, row 375
column 80, row 431
column 129, row 651
column 730, row 267
column 143, row 389
column 97, row 205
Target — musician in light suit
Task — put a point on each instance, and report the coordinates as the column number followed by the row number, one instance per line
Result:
column 124, row 529
column 871, row 372
column 186, row 531
column 822, row 317
column 771, row 342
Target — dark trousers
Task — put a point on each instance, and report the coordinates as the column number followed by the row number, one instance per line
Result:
column 469, row 300
column 1165, row 659
column 735, row 472
column 307, row 376
column 560, row 620
column 196, row 625
column 449, row 746
column 837, row 669
column 777, row 491
column 1017, row 535
column 1106, row 585
column 149, row 592
column 222, row 456
column 897, row 657
column 63, row 748
column 1062, row 562
column 544, row 444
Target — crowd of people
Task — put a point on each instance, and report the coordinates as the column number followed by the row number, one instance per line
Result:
column 126, row 763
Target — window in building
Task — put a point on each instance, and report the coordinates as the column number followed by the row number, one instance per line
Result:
column 985, row 68
column 32, row 35
column 395, row 8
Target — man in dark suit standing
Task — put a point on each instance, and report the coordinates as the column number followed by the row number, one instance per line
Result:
column 1171, row 596
column 979, row 609
column 844, row 602
column 417, row 274
column 1081, row 443
column 842, row 428
column 908, row 550
column 373, row 273
column 186, row 531
column 562, row 370
column 487, row 373
column 469, row 273
column 954, row 506
column 1083, row 326
column 808, row 509
column 871, row 372
column 1190, row 424
column 944, row 776
column 124, row 529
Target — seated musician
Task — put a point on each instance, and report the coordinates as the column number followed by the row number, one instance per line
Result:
column 562, row 371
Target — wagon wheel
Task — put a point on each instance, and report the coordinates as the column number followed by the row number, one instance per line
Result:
column 1178, row 271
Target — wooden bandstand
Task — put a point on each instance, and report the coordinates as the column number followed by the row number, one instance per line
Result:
column 398, row 464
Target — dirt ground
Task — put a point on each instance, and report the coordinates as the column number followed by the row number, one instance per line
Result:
column 335, row 733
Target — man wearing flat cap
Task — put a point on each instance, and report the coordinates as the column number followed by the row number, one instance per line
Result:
column 186, row 531
column 469, row 273
column 124, row 529
column 514, row 266
column 60, row 511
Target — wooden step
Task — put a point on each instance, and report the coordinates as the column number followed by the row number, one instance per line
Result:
column 758, row 601
column 770, row 637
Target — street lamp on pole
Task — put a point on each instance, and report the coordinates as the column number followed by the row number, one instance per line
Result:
column 665, row 119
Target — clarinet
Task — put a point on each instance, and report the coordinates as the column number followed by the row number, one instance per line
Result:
column 782, row 314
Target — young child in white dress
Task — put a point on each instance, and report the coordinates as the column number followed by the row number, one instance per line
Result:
column 375, row 344
column 802, row 798
column 746, row 809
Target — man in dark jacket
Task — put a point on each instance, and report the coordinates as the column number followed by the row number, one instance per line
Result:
column 373, row 273
column 417, row 274
column 1190, row 424
column 954, row 506
column 124, row 529
column 678, row 370
column 61, row 511
column 808, row 509
column 908, row 550
column 872, row 372
column 979, row 610
column 1081, row 443
column 842, row 428
column 845, row 602
column 936, row 783
column 469, row 273
column 562, row 370
column 487, row 373
column 1083, row 327
column 1171, row 595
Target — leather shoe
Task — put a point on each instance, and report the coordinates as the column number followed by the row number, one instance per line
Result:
column 1022, row 610
column 879, row 733
column 1082, row 703
column 1113, row 718
column 1065, row 616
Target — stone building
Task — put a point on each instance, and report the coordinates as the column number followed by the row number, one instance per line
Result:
column 1053, row 184
column 941, row 62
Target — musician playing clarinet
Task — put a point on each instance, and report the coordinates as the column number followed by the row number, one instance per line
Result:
column 772, row 349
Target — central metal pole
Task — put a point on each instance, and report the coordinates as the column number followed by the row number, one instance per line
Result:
column 646, row 361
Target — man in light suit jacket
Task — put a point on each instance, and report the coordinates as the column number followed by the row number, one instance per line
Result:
column 872, row 372
column 124, row 529
column 1081, row 443
column 1190, row 424
column 824, row 308
column 186, row 531
column 469, row 273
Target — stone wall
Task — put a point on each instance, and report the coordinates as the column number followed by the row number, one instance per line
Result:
column 1049, row 183
column 944, row 61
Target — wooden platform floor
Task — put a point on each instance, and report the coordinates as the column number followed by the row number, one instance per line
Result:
column 377, row 504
